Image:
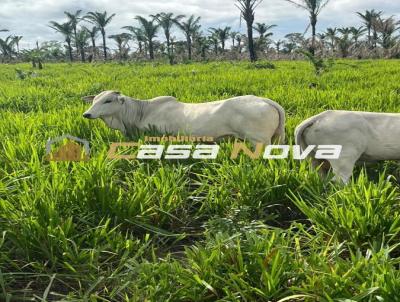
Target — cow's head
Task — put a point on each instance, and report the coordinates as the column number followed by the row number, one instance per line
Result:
column 104, row 105
column 107, row 106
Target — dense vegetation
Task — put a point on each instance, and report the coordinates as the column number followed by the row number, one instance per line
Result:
column 177, row 38
column 221, row 230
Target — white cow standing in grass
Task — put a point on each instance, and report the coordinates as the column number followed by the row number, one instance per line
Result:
column 245, row 117
column 364, row 136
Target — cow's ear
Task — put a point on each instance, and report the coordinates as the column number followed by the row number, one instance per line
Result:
column 121, row 99
column 88, row 98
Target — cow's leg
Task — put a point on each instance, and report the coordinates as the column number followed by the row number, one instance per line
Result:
column 343, row 167
column 255, row 142
column 343, row 171
column 256, row 134
column 323, row 167
column 256, row 139
column 226, row 138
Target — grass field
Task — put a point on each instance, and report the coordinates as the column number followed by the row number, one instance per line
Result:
column 221, row 230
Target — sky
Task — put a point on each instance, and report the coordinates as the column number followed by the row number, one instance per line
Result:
column 30, row 18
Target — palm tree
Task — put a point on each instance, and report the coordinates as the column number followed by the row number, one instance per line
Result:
column 101, row 20
column 93, row 34
column 213, row 39
column 74, row 19
column 278, row 45
column 121, row 40
column 233, row 35
column 203, row 44
column 344, row 42
column 369, row 18
column 7, row 46
column 296, row 38
column 357, row 33
column 138, row 35
column 66, row 30
column 386, row 28
column 196, row 38
column 222, row 34
column 239, row 38
column 345, row 30
column 35, row 55
column 314, row 8
column 322, row 42
column 331, row 35
column 149, row 28
column 190, row 27
column 263, row 29
column 81, row 41
column 52, row 49
column 166, row 21
column 17, row 39
column 247, row 12
column 289, row 47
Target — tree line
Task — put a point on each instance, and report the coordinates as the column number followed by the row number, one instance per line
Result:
column 376, row 37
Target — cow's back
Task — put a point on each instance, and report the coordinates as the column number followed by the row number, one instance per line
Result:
column 375, row 135
column 334, row 127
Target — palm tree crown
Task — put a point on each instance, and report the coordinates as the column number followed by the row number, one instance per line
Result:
column 149, row 28
column 81, row 41
column 101, row 20
column 387, row 28
column 369, row 19
column 314, row 8
column 247, row 11
column 93, row 31
column 190, row 27
column 122, row 41
column 137, row 34
column 73, row 19
column 167, row 21
column 17, row 39
column 263, row 29
column 331, row 35
column 222, row 34
column 66, row 30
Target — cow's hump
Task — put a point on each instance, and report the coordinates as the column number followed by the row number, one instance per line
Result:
column 164, row 99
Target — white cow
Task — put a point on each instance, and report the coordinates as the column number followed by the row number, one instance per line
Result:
column 364, row 136
column 245, row 117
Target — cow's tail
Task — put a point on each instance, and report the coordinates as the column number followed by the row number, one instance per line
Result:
column 299, row 131
column 279, row 135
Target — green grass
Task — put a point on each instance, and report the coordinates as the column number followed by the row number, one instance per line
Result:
column 220, row 230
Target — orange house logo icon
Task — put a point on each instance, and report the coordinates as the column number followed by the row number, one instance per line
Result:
column 71, row 151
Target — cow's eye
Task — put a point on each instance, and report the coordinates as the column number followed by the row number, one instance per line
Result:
column 106, row 102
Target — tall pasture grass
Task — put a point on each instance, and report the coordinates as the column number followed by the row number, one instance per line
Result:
column 214, row 230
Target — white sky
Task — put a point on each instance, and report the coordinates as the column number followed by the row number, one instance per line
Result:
column 30, row 18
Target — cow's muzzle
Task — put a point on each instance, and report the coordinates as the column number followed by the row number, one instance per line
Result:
column 88, row 115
